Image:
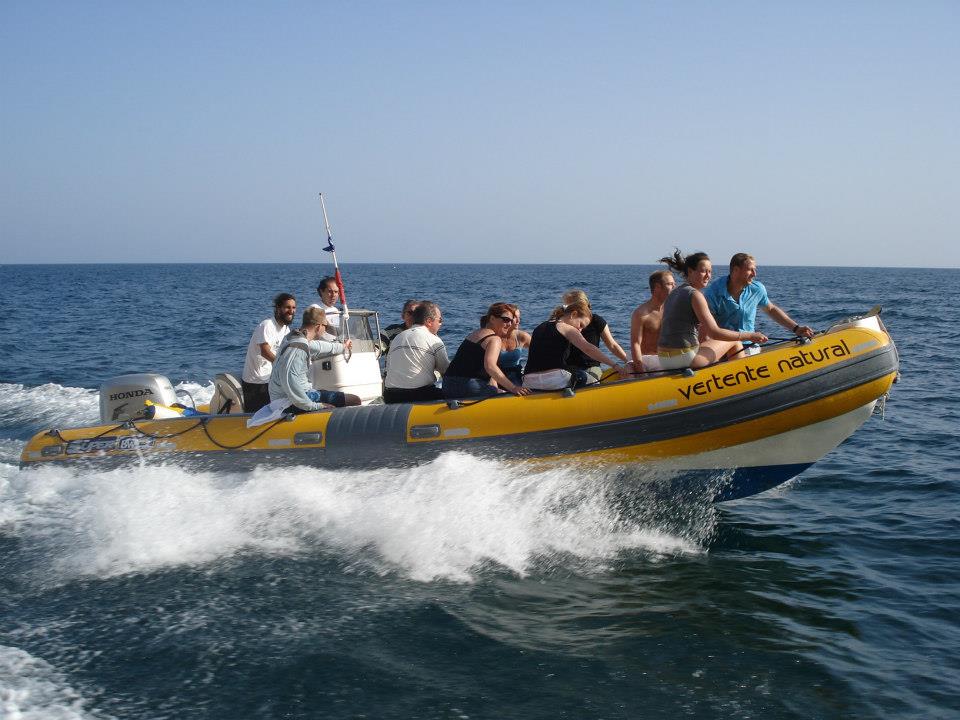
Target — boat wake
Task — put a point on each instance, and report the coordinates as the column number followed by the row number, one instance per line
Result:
column 450, row 519
column 32, row 689
column 46, row 405
column 25, row 409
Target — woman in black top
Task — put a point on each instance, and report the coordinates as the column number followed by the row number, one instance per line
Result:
column 474, row 372
column 551, row 343
column 585, row 368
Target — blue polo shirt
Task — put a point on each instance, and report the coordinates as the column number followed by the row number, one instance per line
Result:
column 729, row 313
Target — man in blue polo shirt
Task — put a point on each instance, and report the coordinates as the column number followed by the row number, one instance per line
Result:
column 733, row 299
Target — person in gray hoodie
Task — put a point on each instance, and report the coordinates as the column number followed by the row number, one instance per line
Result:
column 290, row 378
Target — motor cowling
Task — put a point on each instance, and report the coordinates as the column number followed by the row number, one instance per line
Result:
column 122, row 397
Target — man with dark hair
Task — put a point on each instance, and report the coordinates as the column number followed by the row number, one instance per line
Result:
column 262, row 351
column 329, row 294
column 391, row 331
column 416, row 355
column 733, row 300
column 645, row 323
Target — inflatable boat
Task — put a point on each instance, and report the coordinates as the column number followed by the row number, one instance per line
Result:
column 740, row 426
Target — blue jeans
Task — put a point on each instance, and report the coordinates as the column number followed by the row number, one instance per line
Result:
column 459, row 387
column 514, row 374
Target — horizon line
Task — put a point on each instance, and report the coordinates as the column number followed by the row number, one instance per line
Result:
column 387, row 262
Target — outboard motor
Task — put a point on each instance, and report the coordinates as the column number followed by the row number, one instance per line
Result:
column 122, row 398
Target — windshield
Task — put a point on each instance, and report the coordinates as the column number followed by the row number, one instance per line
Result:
column 360, row 331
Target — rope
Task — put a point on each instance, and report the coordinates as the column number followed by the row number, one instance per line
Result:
column 108, row 430
column 243, row 444
column 133, row 425
column 770, row 342
column 473, row 401
column 202, row 423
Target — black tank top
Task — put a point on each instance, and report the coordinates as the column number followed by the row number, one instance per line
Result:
column 548, row 348
column 592, row 334
column 468, row 362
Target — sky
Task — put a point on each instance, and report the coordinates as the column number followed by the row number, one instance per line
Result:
column 805, row 133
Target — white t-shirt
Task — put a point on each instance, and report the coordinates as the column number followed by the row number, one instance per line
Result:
column 332, row 312
column 413, row 357
column 256, row 368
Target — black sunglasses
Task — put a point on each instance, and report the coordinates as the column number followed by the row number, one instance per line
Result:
column 507, row 319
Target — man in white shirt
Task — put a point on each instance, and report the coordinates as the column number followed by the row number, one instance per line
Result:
column 391, row 331
column 262, row 351
column 415, row 356
column 329, row 296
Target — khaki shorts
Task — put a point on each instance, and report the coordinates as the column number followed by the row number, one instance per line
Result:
column 677, row 358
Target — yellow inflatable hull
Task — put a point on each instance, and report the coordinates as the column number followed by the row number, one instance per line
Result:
column 760, row 420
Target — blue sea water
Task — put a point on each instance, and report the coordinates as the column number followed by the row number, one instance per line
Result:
column 463, row 588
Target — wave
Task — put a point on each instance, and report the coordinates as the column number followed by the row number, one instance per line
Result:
column 32, row 689
column 446, row 520
column 48, row 405
column 25, row 409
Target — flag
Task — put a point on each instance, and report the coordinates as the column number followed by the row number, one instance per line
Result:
column 329, row 247
column 343, row 295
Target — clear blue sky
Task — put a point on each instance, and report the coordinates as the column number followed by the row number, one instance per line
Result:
column 807, row 132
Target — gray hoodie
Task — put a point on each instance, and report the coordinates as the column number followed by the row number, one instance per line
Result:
column 290, row 378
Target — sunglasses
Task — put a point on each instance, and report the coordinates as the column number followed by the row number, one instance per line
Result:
column 507, row 319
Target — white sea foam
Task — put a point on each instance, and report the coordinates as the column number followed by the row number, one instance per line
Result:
column 47, row 405
column 10, row 451
column 447, row 519
column 200, row 393
column 53, row 405
column 32, row 689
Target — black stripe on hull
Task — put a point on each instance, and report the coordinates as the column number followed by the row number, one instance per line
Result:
column 375, row 436
column 669, row 425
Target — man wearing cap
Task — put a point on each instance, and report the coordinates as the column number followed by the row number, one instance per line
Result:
column 262, row 351
column 733, row 300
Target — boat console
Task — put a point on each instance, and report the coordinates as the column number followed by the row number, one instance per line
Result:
column 357, row 372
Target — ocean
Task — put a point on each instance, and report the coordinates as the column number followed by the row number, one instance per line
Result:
column 463, row 589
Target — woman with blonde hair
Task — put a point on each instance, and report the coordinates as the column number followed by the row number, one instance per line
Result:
column 550, row 345
column 586, row 368
column 474, row 372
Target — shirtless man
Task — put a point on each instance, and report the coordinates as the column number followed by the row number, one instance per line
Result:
column 645, row 323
